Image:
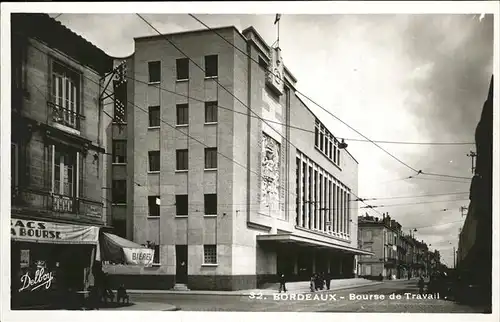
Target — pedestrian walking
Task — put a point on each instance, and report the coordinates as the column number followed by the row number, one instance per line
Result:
column 421, row 285
column 316, row 281
column 312, row 282
column 327, row 280
column 282, row 283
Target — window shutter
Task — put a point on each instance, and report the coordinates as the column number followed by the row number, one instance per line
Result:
column 81, row 167
column 50, row 167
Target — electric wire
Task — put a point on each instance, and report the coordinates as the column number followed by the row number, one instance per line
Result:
column 314, row 102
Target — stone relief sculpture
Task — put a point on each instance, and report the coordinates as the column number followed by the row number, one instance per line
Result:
column 270, row 187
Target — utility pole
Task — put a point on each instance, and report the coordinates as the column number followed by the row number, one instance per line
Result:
column 462, row 209
column 472, row 155
column 454, row 262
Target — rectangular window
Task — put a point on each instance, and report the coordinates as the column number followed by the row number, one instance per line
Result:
column 182, row 114
column 154, row 116
column 321, row 139
column 262, row 63
column 14, row 165
column 211, row 158
column 181, row 205
column 182, row 160
column 211, row 66
column 182, row 66
column 211, row 112
column 368, row 249
column 154, row 160
column 154, row 70
column 327, row 144
column 209, row 254
column 156, row 257
column 65, row 95
column 119, row 191
column 64, row 170
column 211, row 204
column 330, row 150
column 119, row 151
column 154, row 206
column 335, row 152
column 316, row 137
column 120, row 102
column 368, row 235
column 119, row 227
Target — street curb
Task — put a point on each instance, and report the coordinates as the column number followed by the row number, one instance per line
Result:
column 233, row 293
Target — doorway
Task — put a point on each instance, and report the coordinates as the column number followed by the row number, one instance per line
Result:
column 181, row 264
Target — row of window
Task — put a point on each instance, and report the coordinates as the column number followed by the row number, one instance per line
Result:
column 183, row 114
column 182, row 68
column 119, row 196
column 181, row 205
column 182, row 160
column 326, row 143
column 182, row 157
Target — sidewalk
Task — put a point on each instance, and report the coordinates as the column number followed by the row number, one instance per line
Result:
column 292, row 288
column 143, row 306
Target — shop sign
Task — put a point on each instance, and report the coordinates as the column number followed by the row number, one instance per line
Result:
column 39, row 231
column 41, row 278
column 139, row 256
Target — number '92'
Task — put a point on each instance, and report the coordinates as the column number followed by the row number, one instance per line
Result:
column 255, row 296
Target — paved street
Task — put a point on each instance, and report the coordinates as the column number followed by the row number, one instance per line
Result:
column 335, row 301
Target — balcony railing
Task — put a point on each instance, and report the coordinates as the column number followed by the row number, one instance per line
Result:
column 64, row 204
column 65, row 116
column 47, row 204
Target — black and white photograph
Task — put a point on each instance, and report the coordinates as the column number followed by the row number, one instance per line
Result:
column 265, row 157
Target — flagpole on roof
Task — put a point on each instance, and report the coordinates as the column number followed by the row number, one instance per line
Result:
column 277, row 21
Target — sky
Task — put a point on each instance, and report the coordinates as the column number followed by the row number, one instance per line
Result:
column 411, row 78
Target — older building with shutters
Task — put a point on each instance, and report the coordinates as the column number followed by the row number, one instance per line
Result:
column 221, row 168
column 57, row 163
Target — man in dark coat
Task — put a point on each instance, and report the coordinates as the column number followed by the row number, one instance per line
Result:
column 282, row 283
column 327, row 280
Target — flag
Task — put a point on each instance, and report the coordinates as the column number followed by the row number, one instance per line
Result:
column 278, row 17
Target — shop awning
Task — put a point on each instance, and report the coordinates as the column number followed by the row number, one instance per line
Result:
column 119, row 250
column 37, row 231
column 306, row 241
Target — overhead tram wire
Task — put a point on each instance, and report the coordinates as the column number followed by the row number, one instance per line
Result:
column 410, row 204
column 416, row 196
column 219, row 84
column 443, row 180
column 143, row 110
column 321, row 107
column 297, row 127
column 447, row 223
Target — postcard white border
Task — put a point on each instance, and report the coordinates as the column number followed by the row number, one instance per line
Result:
column 271, row 8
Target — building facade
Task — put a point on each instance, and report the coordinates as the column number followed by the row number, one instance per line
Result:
column 213, row 169
column 57, row 147
column 396, row 255
column 475, row 239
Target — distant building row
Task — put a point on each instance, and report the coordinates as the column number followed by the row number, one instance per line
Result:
column 396, row 255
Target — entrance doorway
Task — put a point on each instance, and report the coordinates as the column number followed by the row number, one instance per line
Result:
column 181, row 264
